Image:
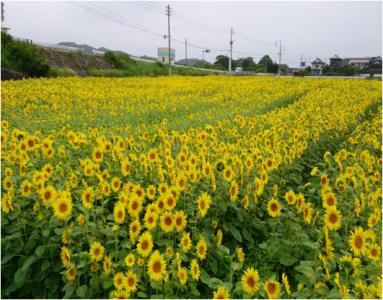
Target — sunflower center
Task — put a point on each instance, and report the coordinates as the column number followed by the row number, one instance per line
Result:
column 201, row 250
column 145, row 245
column 130, row 281
column 333, row 218
column 374, row 252
column 170, row 201
column 97, row 252
column 119, row 281
column 358, row 242
column 168, row 220
column 271, row 287
column 63, row 207
column 250, row 281
column 179, row 221
column 134, row 205
column 157, row 267
column 274, row 207
column 202, row 205
column 161, row 204
column 47, row 195
column 150, row 220
column 233, row 190
column 72, row 272
column 119, row 214
column 330, row 201
column 98, row 155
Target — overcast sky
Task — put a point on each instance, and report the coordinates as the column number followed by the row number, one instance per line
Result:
column 314, row 29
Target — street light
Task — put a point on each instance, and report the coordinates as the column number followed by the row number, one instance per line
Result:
column 203, row 53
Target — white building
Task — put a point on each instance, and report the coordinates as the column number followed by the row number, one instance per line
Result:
column 317, row 66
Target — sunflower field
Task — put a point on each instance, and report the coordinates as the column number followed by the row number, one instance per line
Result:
column 190, row 187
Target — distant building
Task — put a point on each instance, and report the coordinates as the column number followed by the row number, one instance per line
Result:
column 283, row 68
column 356, row 61
column 317, row 66
column 163, row 55
column 335, row 61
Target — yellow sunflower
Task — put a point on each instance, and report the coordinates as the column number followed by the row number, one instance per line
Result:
column 71, row 273
column 182, row 275
column 63, row 206
column 373, row 251
column 250, row 280
column 357, row 241
column 129, row 260
column 65, row 256
column 300, row 200
column 107, row 264
column 131, row 281
column 145, row 244
column 48, row 195
column 186, row 242
column 307, row 212
column 119, row 212
column 134, row 230
column 201, row 248
column 96, row 251
column 286, row 284
column 156, row 266
column 329, row 199
column 273, row 208
column 228, row 174
column 167, row 222
column 87, row 197
column 194, row 269
column 233, row 191
column 180, row 220
column 333, row 218
column 221, row 293
column 134, row 206
column 203, row 202
column 290, row 197
column 150, row 219
column 119, row 281
column 272, row 288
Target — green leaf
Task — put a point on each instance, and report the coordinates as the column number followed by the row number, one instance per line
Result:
column 45, row 265
column 235, row 232
column 194, row 291
column 286, row 259
column 107, row 283
column 82, row 291
column 45, row 233
column 30, row 260
column 215, row 283
column 236, row 266
column 21, row 277
column 306, row 268
column 40, row 251
column 205, row 278
column 142, row 295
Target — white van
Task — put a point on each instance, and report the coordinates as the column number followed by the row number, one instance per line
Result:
column 238, row 70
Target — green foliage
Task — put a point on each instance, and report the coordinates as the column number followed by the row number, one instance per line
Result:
column 130, row 67
column 60, row 72
column 341, row 71
column 22, row 57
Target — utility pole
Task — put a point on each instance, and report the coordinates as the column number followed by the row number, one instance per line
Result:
column 280, row 57
column 186, row 51
column 231, row 47
column 168, row 13
column 2, row 12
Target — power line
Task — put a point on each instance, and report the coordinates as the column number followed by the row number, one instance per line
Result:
column 109, row 15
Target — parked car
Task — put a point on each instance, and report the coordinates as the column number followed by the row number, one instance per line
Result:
column 238, row 70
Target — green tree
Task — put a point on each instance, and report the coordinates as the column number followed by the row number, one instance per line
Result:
column 266, row 65
column 247, row 63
